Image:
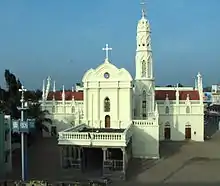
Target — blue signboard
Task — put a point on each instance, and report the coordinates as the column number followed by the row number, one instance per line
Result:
column 31, row 123
column 24, row 126
column 15, row 126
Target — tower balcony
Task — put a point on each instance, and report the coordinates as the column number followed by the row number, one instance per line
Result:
column 83, row 135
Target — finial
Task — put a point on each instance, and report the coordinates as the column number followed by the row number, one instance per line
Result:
column 54, row 86
column 187, row 97
column 199, row 75
column 63, row 94
column 106, row 51
column 48, row 78
column 167, row 96
column 143, row 8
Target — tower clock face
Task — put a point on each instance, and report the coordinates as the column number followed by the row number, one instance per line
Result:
column 106, row 75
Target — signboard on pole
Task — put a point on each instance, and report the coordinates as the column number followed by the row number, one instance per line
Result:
column 16, row 126
column 24, row 126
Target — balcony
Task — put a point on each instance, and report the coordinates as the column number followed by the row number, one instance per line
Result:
column 82, row 135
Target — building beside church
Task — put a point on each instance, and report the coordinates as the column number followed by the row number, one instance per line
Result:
column 122, row 116
column 5, row 145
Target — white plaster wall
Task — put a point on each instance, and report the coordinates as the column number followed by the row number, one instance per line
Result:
column 63, row 117
column 145, row 139
column 178, row 119
column 120, row 107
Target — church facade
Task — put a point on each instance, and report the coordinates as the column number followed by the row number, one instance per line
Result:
column 122, row 116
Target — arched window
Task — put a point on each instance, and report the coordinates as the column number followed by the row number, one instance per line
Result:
column 107, row 104
column 187, row 110
column 143, row 68
column 167, row 124
column 167, row 110
column 144, row 104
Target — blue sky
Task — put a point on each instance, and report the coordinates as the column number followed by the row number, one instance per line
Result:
column 63, row 39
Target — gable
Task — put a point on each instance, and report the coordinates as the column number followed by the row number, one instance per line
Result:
column 107, row 72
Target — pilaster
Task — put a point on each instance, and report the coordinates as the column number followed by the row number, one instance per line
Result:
column 98, row 104
column 85, row 104
column 118, row 106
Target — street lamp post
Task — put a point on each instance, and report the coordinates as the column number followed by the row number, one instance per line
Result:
column 23, row 127
column 23, row 130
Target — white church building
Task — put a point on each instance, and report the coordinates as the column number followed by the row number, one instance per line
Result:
column 123, row 117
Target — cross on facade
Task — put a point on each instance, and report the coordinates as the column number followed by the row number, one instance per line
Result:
column 106, row 50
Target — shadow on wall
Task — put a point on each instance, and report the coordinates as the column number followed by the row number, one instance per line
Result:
column 138, row 165
column 59, row 124
column 211, row 126
column 166, row 148
column 173, row 137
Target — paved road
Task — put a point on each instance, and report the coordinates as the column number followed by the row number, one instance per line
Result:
column 181, row 162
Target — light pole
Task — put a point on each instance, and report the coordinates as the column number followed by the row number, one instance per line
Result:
column 24, row 126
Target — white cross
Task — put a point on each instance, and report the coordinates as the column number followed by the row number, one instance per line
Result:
column 106, row 50
column 22, row 89
column 143, row 7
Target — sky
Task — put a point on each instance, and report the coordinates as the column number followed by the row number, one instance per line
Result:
column 63, row 39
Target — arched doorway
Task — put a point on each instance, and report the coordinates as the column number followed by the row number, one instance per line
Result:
column 107, row 121
column 187, row 131
column 167, row 132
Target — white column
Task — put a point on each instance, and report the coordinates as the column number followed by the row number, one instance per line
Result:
column 124, row 160
column 104, row 154
column 79, row 153
column 61, row 156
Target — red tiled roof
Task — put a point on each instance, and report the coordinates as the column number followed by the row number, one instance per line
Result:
column 68, row 95
column 159, row 95
column 162, row 94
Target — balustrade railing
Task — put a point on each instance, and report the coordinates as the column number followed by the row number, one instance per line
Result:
column 144, row 122
column 101, row 182
column 87, row 136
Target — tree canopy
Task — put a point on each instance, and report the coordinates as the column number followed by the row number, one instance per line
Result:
column 10, row 97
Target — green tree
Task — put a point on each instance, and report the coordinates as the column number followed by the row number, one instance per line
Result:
column 12, row 97
column 180, row 85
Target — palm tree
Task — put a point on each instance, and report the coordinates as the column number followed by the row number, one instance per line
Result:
column 40, row 117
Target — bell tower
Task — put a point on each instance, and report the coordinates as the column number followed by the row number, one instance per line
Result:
column 144, row 78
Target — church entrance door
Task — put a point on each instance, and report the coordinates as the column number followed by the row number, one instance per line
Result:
column 107, row 121
column 187, row 133
column 167, row 133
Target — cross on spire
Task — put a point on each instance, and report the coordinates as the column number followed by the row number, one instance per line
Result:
column 106, row 50
column 143, row 8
